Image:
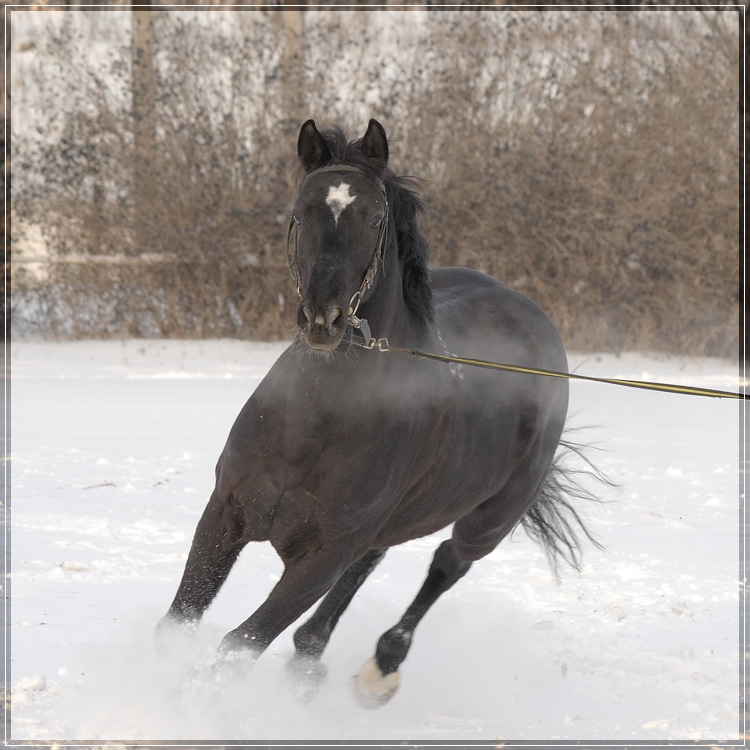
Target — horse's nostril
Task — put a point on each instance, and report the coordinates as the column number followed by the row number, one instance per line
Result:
column 335, row 317
column 322, row 324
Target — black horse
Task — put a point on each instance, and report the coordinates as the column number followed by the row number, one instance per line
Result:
column 344, row 451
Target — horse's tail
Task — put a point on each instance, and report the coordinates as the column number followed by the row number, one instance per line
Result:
column 553, row 520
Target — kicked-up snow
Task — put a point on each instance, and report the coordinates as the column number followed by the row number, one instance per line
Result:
column 113, row 447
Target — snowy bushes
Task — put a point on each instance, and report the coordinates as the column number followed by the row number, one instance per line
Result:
column 590, row 160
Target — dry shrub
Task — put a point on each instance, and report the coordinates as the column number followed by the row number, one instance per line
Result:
column 197, row 256
column 615, row 205
column 590, row 160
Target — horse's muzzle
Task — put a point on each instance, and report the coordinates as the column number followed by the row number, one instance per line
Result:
column 322, row 326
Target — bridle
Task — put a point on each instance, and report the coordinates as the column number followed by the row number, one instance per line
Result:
column 377, row 260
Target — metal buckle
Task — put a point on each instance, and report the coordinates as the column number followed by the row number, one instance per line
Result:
column 363, row 326
column 380, row 344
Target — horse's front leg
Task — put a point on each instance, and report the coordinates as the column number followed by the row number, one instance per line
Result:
column 312, row 637
column 304, row 581
column 218, row 540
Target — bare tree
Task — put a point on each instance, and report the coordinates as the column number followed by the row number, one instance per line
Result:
column 144, row 124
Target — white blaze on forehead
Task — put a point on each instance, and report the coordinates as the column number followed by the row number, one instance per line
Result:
column 338, row 199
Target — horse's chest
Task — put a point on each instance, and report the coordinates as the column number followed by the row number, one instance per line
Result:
column 364, row 450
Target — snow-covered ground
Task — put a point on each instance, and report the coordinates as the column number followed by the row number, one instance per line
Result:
column 112, row 456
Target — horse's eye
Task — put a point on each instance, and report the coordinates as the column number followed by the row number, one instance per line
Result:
column 376, row 222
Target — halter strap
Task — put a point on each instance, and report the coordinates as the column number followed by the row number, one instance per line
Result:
column 344, row 168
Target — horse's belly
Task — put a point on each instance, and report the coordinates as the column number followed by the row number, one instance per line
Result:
column 455, row 484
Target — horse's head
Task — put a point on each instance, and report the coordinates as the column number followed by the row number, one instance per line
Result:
column 337, row 232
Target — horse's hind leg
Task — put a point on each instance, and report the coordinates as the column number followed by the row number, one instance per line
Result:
column 377, row 681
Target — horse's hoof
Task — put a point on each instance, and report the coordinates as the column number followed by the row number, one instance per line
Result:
column 233, row 659
column 307, row 676
column 372, row 688
column 173, row 635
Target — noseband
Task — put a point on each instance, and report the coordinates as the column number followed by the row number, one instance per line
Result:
column 377, row 260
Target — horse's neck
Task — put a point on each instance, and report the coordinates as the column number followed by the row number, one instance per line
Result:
column 386, row 311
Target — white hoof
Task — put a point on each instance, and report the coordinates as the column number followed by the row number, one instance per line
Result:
column 372, row 688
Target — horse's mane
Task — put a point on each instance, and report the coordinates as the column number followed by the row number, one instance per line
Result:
column 413, row 248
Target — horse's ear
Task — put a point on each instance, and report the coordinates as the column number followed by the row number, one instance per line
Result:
column 375, row 143
column 312, row 149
